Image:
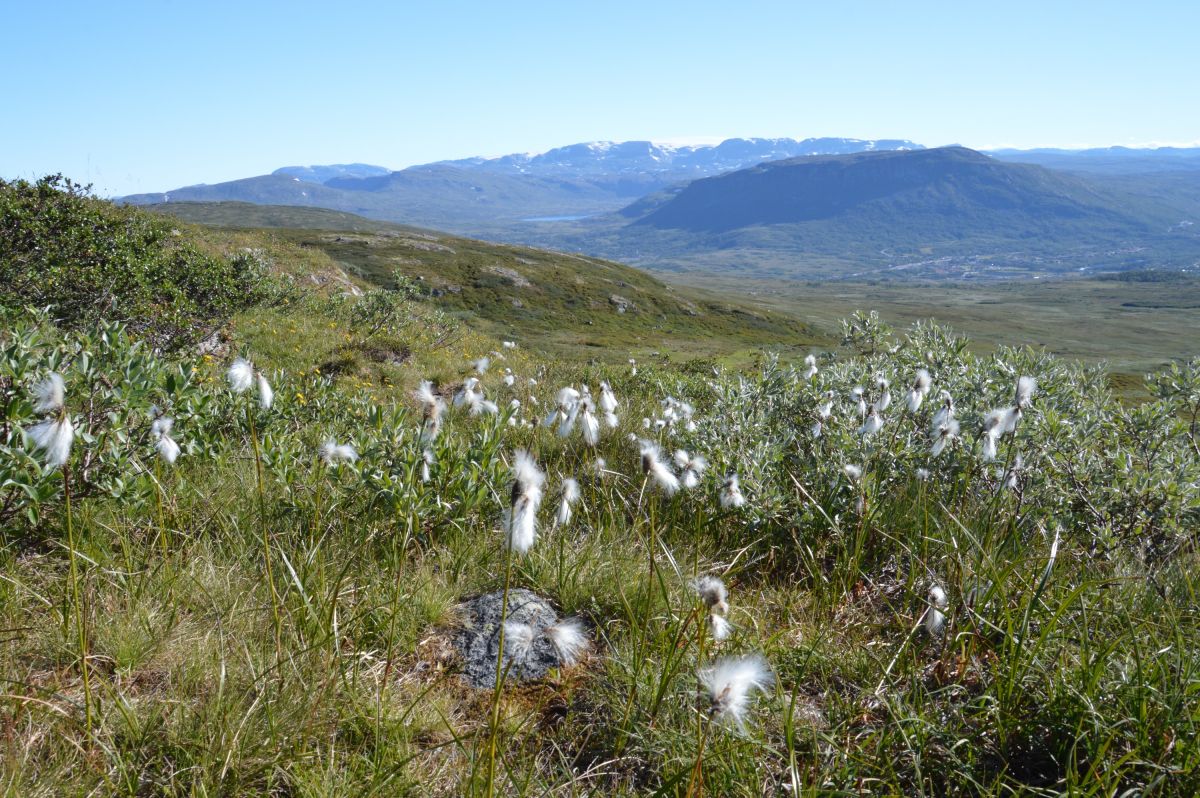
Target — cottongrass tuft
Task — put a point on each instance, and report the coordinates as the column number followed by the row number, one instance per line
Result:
column 853, row 472
column 943, row 436
column 730, row 683
column 811, row 362
column 872, row 424
column 858, row 394
column 332, row 452
column 885, row 395
column 608, row 405
column 528, row 481
column 920, row 388
column 719, row 627
column 945, row 412
column 731, row 496
column 570, row 495
column 240, row 375
column 693, row 468
column 427, row 460
column 432, row 408
column 569, row 639
column 654, row 467
column 518, row 640
column 588, row 422
column 54, row 437
column 164, row 444
column 712, row 592
column 50, row 394
column 935, row 616
column 995, row 424
column 1026, row 387
column 266, row 395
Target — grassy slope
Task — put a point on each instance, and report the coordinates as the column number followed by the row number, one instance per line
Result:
column 567, row 303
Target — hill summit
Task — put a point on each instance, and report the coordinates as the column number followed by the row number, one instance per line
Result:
column 944, row 187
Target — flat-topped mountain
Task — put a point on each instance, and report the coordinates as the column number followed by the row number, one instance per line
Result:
column 945, row 187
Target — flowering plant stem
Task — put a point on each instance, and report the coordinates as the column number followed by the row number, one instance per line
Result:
column 77, row 601
column 494, row 721
column 696, row 780
column 266, row 540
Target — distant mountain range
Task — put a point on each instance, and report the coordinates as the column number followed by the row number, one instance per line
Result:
column 605, row 158
column 1109, row 160
column 782, row 206
column 488, row 196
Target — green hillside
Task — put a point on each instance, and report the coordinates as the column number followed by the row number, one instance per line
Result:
column 554, row 301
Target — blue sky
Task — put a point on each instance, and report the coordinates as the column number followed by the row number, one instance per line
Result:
column 148, row 96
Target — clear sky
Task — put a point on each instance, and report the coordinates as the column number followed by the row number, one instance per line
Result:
column 149, row 96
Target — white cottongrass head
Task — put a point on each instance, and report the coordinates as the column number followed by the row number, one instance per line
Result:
column 852, row 472
column 518, row 640
column 920, row 388
column 872, row 423
column 810, row 363
column 944, row 435
column 427, row 461
column 528, row 483
column 570, row 495
column 713, row 593
column 569, row 639
column 935, row 616
column 731, row 496
column 945, row 411
column 1026, row 387
column 608, row 400
column 654, row 467
column 333, row 453
column 53, row 437
column 50, row 394
column 588, row 422
column 432, row 408
column 266, row 396
column 240, row 375
column 731, row 682
column 481, row 365
column 719, row 627
column 885, row 395
column 693, row 468
column 164, row 444
column 167, row 449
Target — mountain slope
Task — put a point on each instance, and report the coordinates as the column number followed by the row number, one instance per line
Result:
column 935, row 213
column 552, row 301
column 954, row 183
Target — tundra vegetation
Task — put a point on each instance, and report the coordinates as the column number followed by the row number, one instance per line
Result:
column 237, row 572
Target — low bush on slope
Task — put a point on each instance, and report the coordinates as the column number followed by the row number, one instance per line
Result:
column 88, row 260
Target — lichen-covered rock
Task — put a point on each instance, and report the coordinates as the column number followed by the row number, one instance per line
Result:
column 478, row 638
